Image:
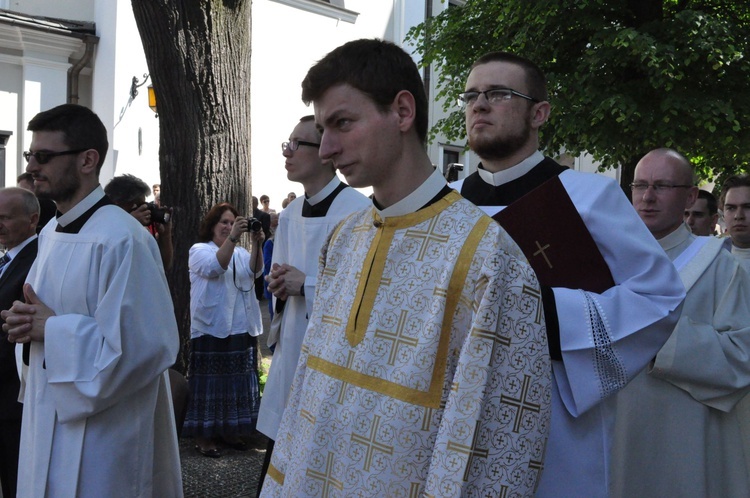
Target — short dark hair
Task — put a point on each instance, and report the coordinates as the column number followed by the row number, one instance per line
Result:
column 311, row 119
column 126, row 189
column 205, row 232
column 733, row 181
column 377, row 68
column 711, row 203
column 264, row 198
column 81, row 128
column 535, row 78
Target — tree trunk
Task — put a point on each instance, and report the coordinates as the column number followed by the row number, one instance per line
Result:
column 198, row 54
column 627, row 174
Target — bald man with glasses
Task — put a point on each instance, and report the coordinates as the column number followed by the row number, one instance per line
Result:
column 678, row 428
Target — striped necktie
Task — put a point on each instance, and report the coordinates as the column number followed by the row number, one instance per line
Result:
column 4, row 261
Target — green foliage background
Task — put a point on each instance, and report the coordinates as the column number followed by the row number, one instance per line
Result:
column 624, row 76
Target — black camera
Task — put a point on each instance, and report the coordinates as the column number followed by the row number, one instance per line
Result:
column 159, row 214
column 253, row 224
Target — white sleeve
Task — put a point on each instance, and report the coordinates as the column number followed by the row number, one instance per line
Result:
column 606, row 339
column 129, row 338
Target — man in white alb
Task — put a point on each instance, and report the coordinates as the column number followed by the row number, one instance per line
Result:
column 99, row 328
column 303, row 228
column 424, row 370
column 677, row 424
column 595, row 261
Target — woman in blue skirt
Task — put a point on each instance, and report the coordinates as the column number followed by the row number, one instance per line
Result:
column 226, row 320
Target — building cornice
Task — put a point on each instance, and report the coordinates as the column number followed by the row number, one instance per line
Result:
column 323, row 9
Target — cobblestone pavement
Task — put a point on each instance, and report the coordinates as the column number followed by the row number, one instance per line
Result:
column 236, row 473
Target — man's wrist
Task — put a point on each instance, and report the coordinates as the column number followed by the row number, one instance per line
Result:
column 302, row 290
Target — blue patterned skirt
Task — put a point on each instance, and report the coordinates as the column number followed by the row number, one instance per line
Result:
column 223, row 378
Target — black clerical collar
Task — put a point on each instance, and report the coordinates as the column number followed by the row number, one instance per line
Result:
column 76, row 225
column 499, row 178
column 320, row 209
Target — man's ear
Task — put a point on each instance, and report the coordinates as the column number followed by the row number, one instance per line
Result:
column 34, row 220
column 406, row 108
column 91, row 160
column 540, row 114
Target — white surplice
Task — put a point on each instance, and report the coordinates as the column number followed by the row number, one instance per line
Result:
column 98, row 417
column 677, row 430
column 297, row 242
column 607, row 338
column 424, row 370
column 743, row 256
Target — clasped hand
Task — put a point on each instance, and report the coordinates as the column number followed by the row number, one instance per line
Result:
column 25, row 321
column 284, row 281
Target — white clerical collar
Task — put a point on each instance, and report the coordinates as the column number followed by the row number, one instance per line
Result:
column 674, row 239
column 13, row 252
column 421, row 196
column 741, row 252
column 80, row 208
column 327, row 190
column 512, row 173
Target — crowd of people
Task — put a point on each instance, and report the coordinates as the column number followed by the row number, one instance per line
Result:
column 428, row 341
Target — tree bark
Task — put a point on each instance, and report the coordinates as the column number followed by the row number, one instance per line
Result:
column 198, row 55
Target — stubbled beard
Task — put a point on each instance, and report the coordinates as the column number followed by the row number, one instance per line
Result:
column 497, row 148
column 66, row 189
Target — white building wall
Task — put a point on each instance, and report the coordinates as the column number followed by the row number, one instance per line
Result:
column 61, row 9
column 11, row 78
column 288, row 37
column 287, row 41
column 132, row 127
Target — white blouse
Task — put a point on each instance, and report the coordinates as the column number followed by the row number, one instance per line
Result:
column 222, row 302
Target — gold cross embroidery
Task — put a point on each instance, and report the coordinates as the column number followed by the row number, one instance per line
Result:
column 521, row 403
column 493, row 336
column 344, row 384
column 473, row 451
column 541, row 251
column 537, row 296
column 371, row 444
column 359, row 234
column 426, row 236
column 325, row 477
column 397, row 338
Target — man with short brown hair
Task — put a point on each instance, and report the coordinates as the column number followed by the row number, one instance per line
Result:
column 593, row 256
column 703, row 215
column 424, row 370
column 735, row 195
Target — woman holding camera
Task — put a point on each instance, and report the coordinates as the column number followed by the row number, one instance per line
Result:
column 226, row 321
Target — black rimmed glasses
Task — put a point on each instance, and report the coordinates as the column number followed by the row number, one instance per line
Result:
column 43, row 157
column 494, row 96
column 293, row 145
column 659, row 187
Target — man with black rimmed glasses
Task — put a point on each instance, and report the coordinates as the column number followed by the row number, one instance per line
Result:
column 303, row 229
column 592, row 255
column 678, row 424
column 98, row 332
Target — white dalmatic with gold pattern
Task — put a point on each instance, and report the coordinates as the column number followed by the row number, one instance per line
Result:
column 425, row 370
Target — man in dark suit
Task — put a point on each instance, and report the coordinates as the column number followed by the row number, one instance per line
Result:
column 19, row 215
